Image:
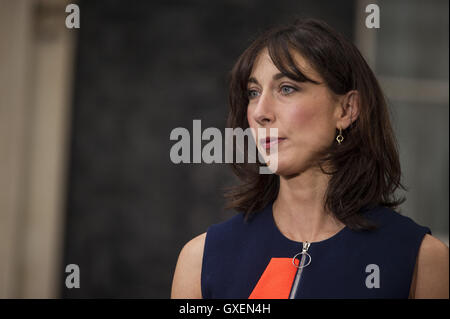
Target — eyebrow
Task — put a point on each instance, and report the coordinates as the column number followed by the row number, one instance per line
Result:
column 275, row 77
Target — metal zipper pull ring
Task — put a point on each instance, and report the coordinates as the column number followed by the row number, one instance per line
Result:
column 300, row 267
column 304, row 252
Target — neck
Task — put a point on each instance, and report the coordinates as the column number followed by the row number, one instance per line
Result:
column 299, row 208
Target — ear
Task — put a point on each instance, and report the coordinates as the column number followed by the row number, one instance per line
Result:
column 348, row 109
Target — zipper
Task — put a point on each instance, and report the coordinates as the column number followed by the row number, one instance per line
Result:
column 300, row 268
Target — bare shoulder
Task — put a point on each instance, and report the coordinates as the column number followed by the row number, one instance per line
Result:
column 187, row 278
column 432, row 266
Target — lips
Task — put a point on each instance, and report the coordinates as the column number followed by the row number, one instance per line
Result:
column 269, row 142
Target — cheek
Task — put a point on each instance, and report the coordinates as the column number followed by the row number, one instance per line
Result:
column 301, row 118
column 311, row 125
column 250, row 119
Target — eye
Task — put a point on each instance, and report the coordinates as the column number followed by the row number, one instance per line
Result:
column 286, row 89
column 252, row 94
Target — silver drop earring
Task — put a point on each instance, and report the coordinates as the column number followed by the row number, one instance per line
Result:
column 339, row 138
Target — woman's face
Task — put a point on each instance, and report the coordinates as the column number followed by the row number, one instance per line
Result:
column 304, row 113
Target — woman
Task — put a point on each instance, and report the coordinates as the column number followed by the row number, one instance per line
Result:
column 324, row 225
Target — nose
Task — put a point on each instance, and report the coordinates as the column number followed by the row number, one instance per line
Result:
column 263, row 113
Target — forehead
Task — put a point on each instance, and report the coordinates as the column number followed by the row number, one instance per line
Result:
column 264, row 65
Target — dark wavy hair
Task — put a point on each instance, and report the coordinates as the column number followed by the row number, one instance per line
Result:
column 365, row 168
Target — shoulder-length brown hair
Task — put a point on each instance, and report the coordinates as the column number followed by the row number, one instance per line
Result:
column 365, row 166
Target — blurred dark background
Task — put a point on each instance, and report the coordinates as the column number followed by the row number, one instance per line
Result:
column 86, row 114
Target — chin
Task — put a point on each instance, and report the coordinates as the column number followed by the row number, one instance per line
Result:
column 288, row 168
column 283, row 169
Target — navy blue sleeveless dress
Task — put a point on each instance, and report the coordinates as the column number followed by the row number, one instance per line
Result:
column 253, row 259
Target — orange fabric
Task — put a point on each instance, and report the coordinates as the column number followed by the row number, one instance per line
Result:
column 276, row 281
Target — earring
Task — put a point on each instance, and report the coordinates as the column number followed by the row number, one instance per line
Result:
column 339, row 138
